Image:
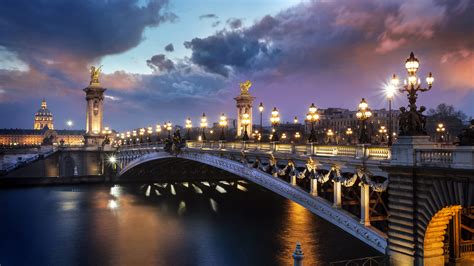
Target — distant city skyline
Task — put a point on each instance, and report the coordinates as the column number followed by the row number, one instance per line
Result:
column 167, row 60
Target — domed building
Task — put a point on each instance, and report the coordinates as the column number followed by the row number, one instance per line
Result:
column 43, row 129
column 43, row 117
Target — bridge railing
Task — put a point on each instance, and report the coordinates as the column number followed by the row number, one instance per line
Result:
column 451, row 157
column 354, row 151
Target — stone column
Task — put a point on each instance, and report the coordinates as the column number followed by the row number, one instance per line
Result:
column 337, row 195
column 365, row 204
column 298, row 255
column 455, row 237
column 314, row 187
column 244, row 104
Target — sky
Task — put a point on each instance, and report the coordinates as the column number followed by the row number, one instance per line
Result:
column 167, row 60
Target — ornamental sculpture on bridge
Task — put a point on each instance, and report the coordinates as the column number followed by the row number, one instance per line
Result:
column 245, row 86
column 412, row 121
column 95, row 73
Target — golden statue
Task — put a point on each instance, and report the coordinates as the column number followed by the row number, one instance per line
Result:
column 245, row 86
column 95, row 72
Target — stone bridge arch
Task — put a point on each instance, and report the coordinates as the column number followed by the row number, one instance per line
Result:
column 425, row 206
column 318, row 206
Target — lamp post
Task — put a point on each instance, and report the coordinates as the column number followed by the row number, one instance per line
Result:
column 330, row 134
column 412, row 122
column 440, row 129
column 363, row 114
column 107, row 133
column 169, row 127
column 245, row 123
column 383, row 132
column 349, row 135
column 312, row 117
column 295, row 120
column 122, row 139
column 158, row 132
column 222, row 124
column 203, row 126
column 260, row 109
column 129, row 138
column 390, row 92
column 188, row 125
column 275, row 120
column 149, row 131
column 134, row 136
column 69, row 124
column 142, row 134
column 297, row 137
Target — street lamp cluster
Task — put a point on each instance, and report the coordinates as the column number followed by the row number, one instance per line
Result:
column 412, row 122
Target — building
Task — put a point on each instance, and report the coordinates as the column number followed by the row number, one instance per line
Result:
column 42, row 129
column 339, row 120
column 43, row 118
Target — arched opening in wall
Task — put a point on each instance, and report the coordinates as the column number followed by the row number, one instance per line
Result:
column 69, row 166
column 442, row 236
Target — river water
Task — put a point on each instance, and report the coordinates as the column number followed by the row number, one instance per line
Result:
column 186, row 223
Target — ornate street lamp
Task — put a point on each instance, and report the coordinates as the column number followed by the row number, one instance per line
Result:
column 260, row 109
column 297, row 136
column 122, row 138
column 141, row 133
column 363, row 114
column 312, row 117
column 330, row 135
column 134, row 136
column 349, row 135
column 390, row 92
column 245, row 123
column 295, row 120
column 383, row 132
column 188, row 125
column 275, row 120
column 158, row 132
column 412, row 122
column 69, row 124
column 203, row 126
column 149, row 131
column 440, row 129
column 222, row 124
column 169, row 127
column 129, row 139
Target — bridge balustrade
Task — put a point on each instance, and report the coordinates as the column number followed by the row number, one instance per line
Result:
column 451, row 157
column 361, row 151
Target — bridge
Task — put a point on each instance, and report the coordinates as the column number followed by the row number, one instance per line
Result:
column 412, row 201
column 399, row 201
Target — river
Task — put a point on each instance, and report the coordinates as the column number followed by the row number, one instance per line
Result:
column 185, row 223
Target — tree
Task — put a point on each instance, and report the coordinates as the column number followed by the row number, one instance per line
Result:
column 451, row 118
column 443, row 111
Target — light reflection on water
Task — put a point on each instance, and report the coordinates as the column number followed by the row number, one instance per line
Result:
column 189, row 223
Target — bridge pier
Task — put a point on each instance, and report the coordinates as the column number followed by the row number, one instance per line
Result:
column 337, row 194
column 364, row 204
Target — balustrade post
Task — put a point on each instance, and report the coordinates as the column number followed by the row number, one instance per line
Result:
column 314, row 187
column 337, row 195
column 293, row 180
column 293, row 148
column 365, row 204
column 313, row 149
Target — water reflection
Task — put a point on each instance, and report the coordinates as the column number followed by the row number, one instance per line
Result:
column 298, row 226
column 174, row 223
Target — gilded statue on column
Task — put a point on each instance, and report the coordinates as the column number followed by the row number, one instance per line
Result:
column 245, row 86
column 95, row 72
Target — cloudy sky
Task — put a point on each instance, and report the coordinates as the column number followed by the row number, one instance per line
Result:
column 166, row 60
